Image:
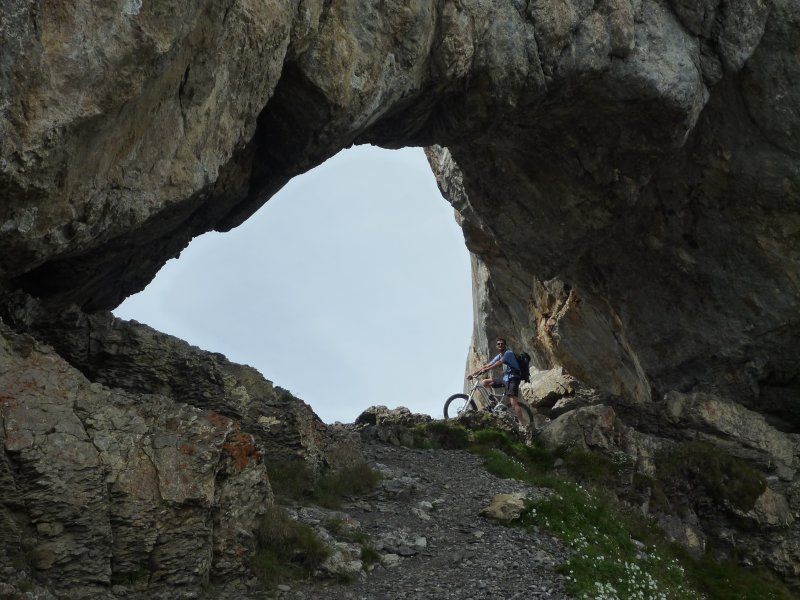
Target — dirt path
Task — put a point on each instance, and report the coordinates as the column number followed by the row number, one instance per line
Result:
column 425, row 520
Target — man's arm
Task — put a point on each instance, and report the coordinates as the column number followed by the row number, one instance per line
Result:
column 487, row 367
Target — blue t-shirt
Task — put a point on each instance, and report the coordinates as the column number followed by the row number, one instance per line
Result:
column 510, row 365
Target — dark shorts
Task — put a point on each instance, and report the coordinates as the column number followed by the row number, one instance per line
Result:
column 512, row 387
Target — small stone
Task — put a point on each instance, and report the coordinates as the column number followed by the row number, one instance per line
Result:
column 421, row 514
column 391, row 560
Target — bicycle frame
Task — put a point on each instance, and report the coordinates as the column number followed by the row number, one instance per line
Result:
column 492, row 399
column 486, row 399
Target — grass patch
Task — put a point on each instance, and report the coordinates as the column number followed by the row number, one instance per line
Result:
column 606, row 563
column 728, row 581
column 334, row 486
column 440, row 435
column 295, row 481
column 292, row 480
column 342, row 530
column 336, row 526
column 369, row 556
column 286, row 550
column 509, row 459
column 500, row 465
column 726, row 479
column 590, row 467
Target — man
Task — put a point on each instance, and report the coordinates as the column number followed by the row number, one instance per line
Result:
column 511, row 375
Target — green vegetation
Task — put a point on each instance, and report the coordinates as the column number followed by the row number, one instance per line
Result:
column 617, row 553
column 729, row 581
column 493, row 445
column 342, row 530
column 291, row 480
column 333, row 486
column 441, row 436
column 590, row 467
column 369, row 556
column 286, row 550
column 606, row 562
column 725, row 478
column 295, row 481
column 130, row 577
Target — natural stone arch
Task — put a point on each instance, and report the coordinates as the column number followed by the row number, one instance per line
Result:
column 640, row 154
column 625, row 174
column 336, row 288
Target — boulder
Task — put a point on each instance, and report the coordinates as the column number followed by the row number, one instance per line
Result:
column 591, row 427
column 504, row 507
column 730, row 420
column 397, row 426
column 548, row 387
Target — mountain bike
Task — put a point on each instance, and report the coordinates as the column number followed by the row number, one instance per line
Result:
column 479, row 398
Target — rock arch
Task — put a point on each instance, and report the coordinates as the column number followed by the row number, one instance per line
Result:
column 625, row 172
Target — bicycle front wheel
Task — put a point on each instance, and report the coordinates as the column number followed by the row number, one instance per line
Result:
column 457, row 404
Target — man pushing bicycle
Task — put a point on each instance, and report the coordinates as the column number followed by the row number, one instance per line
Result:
column 511, row 375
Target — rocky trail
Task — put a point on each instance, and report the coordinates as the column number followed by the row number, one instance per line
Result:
column 424, row 519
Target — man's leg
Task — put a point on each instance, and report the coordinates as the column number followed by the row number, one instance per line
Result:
column 513, row 392
column 492, row 384
column 517, row 409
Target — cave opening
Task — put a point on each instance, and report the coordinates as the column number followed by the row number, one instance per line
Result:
column 350, row 287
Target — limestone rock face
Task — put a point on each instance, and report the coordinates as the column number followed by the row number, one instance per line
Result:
column 138, row 359
column 124, row 112
column 727, row 419
column 139, row 461
column 547, row 387
column 102, row 487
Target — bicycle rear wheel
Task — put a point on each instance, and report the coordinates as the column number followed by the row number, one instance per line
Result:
column 457, row 404
column 527, row 414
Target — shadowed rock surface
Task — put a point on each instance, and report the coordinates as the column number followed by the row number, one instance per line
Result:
column 102, row 486
column 625, row 173
column 137, row 460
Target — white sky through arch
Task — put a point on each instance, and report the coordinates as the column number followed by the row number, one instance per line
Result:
column 350, row 287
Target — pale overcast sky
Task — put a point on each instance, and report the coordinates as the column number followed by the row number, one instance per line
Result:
column 350, row 287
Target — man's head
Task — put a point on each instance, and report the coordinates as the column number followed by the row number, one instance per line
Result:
column 500, row 343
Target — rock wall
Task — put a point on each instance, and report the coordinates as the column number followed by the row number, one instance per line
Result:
column 105, row 488
column 625, row 173
column 134, row 463
column 140, row 360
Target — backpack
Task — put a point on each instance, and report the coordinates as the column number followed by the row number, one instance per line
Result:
column 524, row 362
